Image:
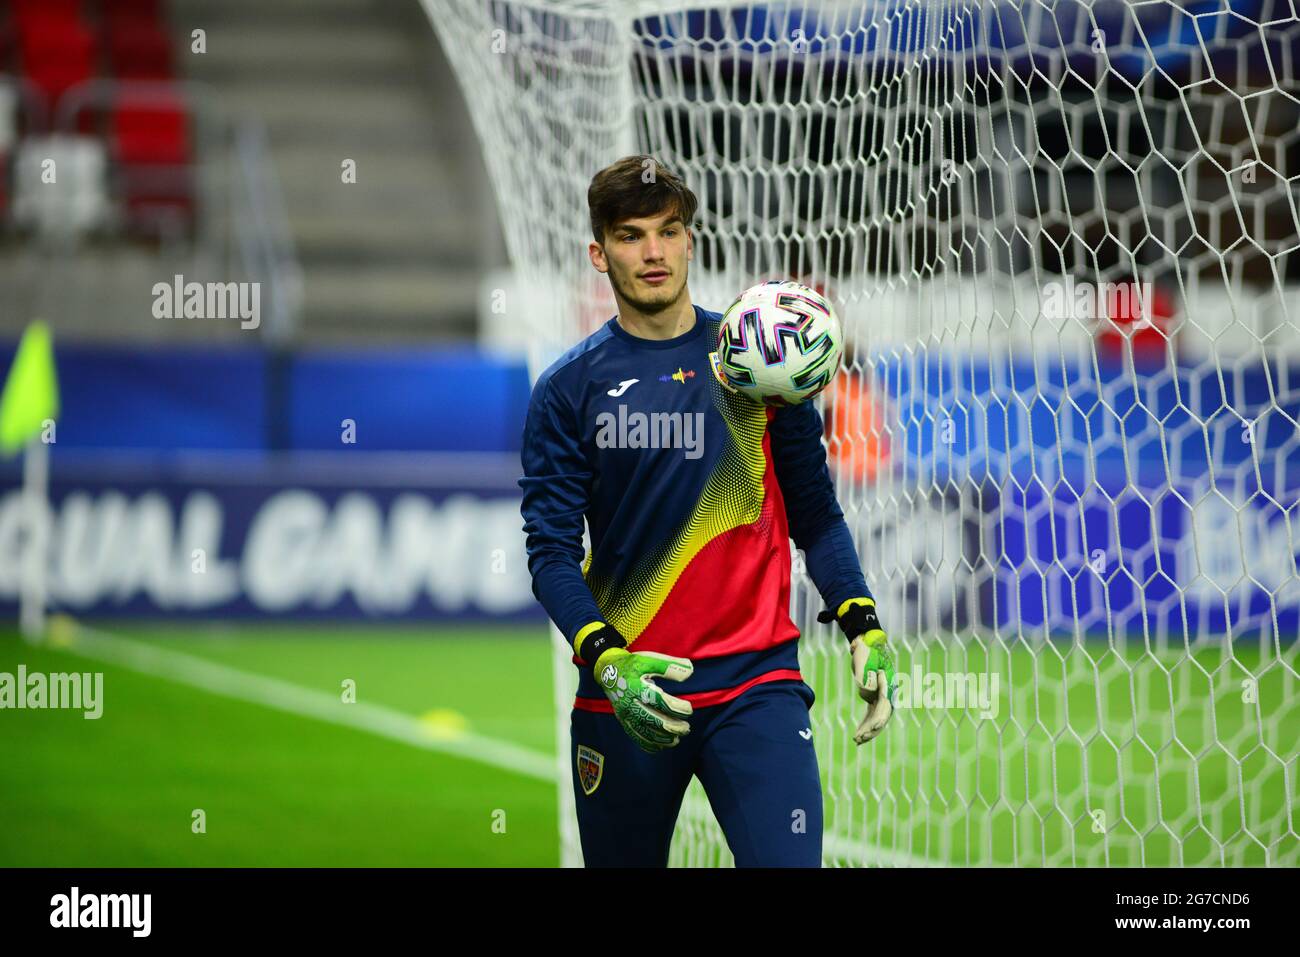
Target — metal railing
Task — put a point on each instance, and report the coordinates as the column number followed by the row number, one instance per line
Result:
column 261, row 228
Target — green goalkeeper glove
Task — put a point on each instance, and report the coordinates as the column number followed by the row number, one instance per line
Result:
column 873, row 663
column 649, row 715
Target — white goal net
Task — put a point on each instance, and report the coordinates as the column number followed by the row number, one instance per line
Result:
column 1064, row 241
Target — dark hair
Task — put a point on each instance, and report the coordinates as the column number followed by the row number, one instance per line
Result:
column 634, row 187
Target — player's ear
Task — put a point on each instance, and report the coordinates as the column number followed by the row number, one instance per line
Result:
column 690, row 243
column 596, row 252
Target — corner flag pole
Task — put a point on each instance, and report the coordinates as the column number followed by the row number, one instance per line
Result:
column 36, row 511
column 29, row 406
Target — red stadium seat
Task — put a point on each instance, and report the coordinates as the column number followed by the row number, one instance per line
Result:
column 56, row 76
column 148, row 138
column 55, row 9
column 45, row 32
column 45, row 35
column 150, row 131
column 151, row 10
column 159, row 201
column 68, row 8
column 139, row 50
column 56, row 53
column 8, row 44
column 150, row 144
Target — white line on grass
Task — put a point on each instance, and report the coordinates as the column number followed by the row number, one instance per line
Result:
column 306, row 702
column 384, row 722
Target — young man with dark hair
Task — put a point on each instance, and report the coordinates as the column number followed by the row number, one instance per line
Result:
column 692, row 493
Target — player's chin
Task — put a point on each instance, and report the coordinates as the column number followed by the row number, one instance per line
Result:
column 663, row 294
column 655, row 300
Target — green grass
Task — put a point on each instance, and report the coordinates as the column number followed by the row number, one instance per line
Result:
column 278, row 789
column 1096, row 756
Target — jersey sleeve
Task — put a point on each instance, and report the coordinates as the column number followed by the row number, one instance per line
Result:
column 556, row 484
column 816, row 521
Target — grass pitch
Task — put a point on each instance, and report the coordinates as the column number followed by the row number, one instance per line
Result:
column 1094, row 755
column 276, row 787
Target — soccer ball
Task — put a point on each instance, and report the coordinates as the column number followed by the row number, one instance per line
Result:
column 779, row 343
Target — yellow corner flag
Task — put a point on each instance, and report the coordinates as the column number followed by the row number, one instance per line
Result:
column 31, row 393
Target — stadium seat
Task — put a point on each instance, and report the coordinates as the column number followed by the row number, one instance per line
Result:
column 8, row 45
column 65, row 8
column 139, row 49
column 57, row 53
column 81, row 202
column 150, row 131
column 150, row 10
column 150, row 145
column 40, row 28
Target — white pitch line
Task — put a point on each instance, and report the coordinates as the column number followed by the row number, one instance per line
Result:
column 306, row 702
column 377, row 720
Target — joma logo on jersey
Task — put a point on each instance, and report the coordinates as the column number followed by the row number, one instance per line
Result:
column 653, row 430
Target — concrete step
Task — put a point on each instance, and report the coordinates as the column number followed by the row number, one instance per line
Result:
column 393, row 255
column 287, row 51
column 331, row 246
column 334, row 13
column 373, row 294
column 335, row 111
column 396, row 183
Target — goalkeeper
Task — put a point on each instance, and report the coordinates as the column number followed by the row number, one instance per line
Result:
column 679, row 615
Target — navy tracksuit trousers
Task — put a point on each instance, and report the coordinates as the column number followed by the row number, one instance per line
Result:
column 754, row 756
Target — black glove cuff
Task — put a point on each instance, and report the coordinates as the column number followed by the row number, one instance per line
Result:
column 600, row 641
column 858, row 620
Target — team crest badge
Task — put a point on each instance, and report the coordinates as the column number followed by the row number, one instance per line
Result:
column 716, row 364
column 591, row 765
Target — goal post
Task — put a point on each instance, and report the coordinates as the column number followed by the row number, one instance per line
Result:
column 1064, row 241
